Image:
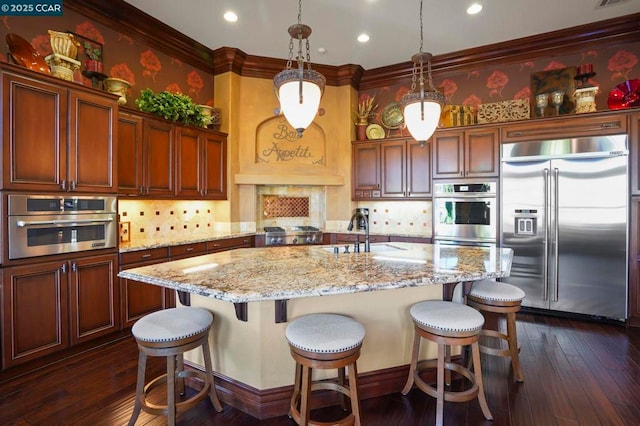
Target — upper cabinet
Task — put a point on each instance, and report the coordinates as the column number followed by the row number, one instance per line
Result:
column 391, row 169
column 55, row 137
column 634, row 152
column 466, row 153
column 161, row 159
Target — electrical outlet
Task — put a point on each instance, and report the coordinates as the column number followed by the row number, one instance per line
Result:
column 125, row 232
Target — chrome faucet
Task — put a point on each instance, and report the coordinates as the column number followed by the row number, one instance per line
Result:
column 358, row 214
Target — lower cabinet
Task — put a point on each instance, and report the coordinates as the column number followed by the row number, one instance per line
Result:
column 139, row 299
column 51, row 306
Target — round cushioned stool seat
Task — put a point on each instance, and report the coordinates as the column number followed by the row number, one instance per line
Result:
column 324, row 341
column 496, row 291
column 172, row 324
column 501, row 299
column 325, row 333
column 442, row 317
column 170, row 333
column 447, row 324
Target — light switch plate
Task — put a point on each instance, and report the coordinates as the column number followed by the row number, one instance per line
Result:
column 125, row 232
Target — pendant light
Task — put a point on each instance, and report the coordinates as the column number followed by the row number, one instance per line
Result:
column 422, row 108
column 298, row 89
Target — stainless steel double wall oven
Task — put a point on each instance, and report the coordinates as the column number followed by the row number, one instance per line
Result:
column 465, row 212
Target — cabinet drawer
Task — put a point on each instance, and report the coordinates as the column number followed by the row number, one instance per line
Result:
column 186, row 250
column 144, row 255
column 229, row 243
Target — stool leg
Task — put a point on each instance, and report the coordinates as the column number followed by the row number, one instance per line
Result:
column 305, row 408
column 171, row 390
column 413, row 365
column 341, row 398
column 297, row 386
column 477, row 371
column 179, row 370
column 213, row 396
column 513, row 346
column 142, row 365
column 440, row 384
column 353, row 393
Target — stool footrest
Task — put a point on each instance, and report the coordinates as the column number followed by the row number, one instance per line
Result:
column 453, row 396
column 162, row 409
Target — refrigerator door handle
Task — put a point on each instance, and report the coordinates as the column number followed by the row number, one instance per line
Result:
column 556, row 225
column 545, row 275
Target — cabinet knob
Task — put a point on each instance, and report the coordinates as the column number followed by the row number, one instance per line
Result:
column 74, row 267
column 63, row 185
column 63, row 268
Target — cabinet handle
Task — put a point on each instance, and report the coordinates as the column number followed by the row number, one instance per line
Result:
column 72, row 185
column 516, row 133
column 63, row 268
column 611, row 125
column 144, row 256
column 216, row 245
column 377, row 186
column 74, row 267
column 189, row 248
column 63, row 185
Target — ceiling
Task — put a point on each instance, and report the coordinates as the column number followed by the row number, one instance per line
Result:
column 392, row 25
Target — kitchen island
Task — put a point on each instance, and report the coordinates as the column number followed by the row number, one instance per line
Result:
column 251, row 354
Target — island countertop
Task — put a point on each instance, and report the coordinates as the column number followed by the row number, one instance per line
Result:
column 260, row 274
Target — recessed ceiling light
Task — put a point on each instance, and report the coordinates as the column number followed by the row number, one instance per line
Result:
column 230, row 16
column 474, row 8
column 363, row 38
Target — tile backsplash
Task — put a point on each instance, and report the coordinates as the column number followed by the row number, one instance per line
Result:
column 170, row 219
column 399, row 217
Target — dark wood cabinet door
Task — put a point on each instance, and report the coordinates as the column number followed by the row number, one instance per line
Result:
column 94, row 297
column 448, row 154
column 418, row 169
column 34, row 131
column 214, row 160
column 92, row 165
column 159, row 148
column 35, row 318
column 393, row 166
column 481, row 155
column 188, row 163
column 365, row 170
column 129, row 154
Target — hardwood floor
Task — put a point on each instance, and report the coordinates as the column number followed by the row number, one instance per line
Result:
column 576, row 373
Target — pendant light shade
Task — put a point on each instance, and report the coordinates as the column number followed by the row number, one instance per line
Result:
column 422, row 108
column 299, row 90
column 299, row 97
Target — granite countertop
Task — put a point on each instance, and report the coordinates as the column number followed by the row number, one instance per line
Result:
column 259, row 274
column 144, row 244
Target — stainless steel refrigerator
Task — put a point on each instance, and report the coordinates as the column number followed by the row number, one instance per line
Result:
column 564, row 210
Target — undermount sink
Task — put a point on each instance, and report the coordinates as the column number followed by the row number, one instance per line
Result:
column 375, row 248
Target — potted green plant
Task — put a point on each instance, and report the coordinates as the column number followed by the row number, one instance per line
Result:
column 172, row 106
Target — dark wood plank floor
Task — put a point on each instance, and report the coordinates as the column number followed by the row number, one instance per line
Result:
column 576, row 373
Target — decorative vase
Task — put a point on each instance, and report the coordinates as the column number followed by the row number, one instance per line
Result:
column 119, row 87
column 586, row 99
column 361, row 132
column 62, row 66
column 63, row 44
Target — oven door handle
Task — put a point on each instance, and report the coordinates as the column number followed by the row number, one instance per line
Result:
column 24, row 223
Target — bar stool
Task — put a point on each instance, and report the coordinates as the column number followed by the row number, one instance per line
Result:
column 505, row 299
column 170, row 333
column 324, row 341
column 447, row 324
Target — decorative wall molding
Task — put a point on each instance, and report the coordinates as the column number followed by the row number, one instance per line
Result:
column 125, row 18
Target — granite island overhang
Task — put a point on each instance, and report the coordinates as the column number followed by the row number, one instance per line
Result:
column 261, row 274
column 254, row 370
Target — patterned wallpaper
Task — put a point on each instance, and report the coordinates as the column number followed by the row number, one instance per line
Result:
column 612, row 64
column 124, row 57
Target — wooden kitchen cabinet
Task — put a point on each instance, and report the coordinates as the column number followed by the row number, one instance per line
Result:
column 187, row 250
column 406, row 169
column 567, row 126
column 466, row 153
column 365, row 158
column 391, row 169
column 129, row 154
column 225, row 244
column 343, row 239
column 634, row 264
column 67, row 145
column 139, row 299
column 50, row 306
column 201, row 164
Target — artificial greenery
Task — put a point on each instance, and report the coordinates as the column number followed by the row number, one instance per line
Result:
column 172, row 106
